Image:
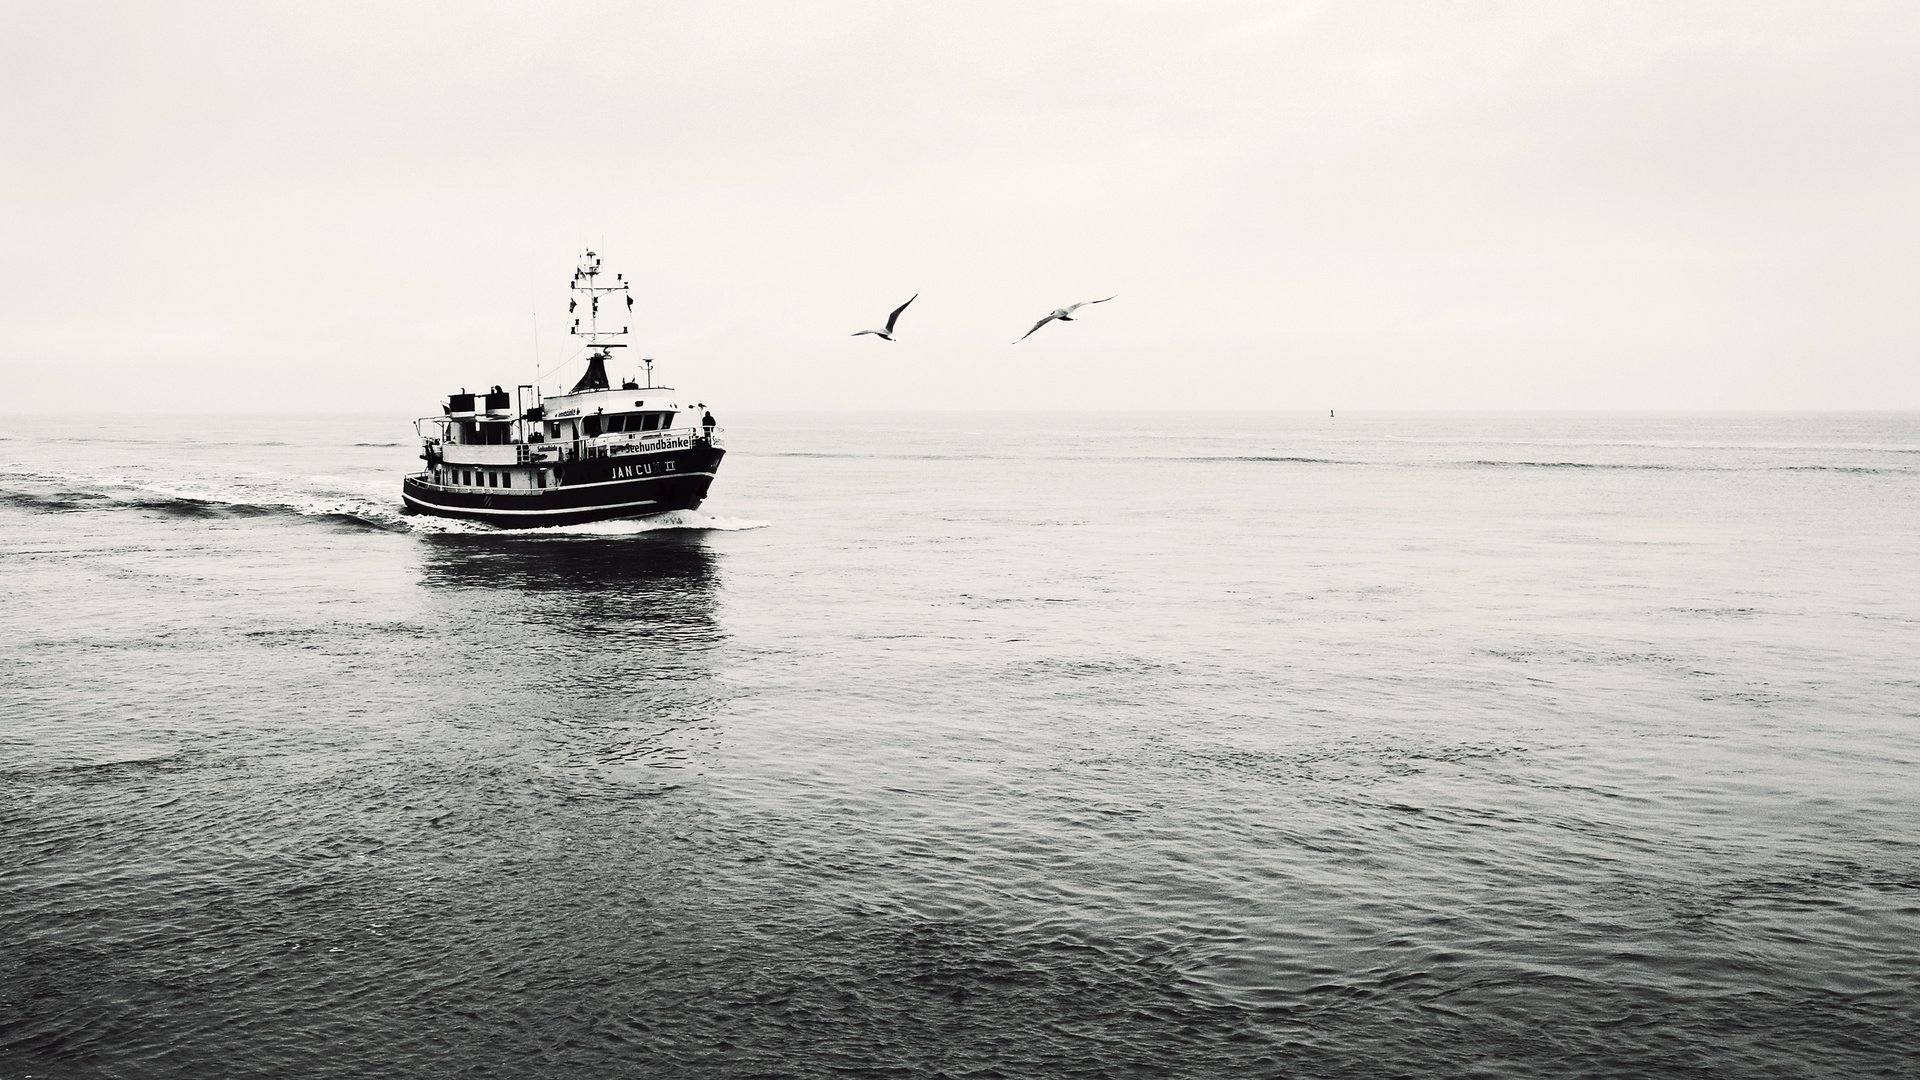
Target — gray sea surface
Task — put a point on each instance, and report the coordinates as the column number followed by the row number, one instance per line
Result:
column 971, row 746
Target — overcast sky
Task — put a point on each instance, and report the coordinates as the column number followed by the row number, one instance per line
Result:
column 1527, row 205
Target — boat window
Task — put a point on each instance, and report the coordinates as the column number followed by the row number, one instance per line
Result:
column 540, row 478
column 666, row 421
column 506, row 479
column 651, row 422
column 590, row 425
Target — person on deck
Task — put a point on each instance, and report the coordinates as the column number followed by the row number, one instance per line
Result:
column 707, row 422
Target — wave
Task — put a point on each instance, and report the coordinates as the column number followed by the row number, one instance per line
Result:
column 1268, row 457
column 1479, row 463
column 82, row 494
column 1658, row 444
column 1842, row 468
column 336, row 501
column 1489, row 464
column 1659, row 467
column 1067, row 457
column 894, row 457
column 1302, row 459
column 673, row 519
column 57, row 502
column 187, row 506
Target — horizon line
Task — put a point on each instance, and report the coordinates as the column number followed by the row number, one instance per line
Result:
column 1139, row 410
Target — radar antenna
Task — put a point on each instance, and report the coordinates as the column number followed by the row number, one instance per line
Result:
column 586, row 283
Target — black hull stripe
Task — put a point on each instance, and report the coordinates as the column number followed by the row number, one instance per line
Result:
column 513, row 493
column 475, row 511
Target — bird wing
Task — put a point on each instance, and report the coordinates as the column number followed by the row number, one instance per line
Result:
column 857, row 333
column 1084, row 303
column 1037, row 326
column 891, row 319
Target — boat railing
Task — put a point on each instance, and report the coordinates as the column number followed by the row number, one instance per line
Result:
column 617, row 444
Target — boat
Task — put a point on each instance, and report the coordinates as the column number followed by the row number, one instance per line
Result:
column 599, row 451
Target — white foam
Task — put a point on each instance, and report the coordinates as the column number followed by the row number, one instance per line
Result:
column 368, row 499
column 673, row 519
column 430, row 523
column 304, row 502
column 282, row 496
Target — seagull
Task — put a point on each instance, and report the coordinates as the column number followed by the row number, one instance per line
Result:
column 1064, row 314
column 891, row 319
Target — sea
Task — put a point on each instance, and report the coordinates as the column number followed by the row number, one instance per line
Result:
column 970, row 746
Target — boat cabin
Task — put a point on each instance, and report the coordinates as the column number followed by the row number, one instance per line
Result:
column 487, row 440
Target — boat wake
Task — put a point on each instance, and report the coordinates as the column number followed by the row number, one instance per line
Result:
column 336, row 501
column 63, row 493
column 675, row 519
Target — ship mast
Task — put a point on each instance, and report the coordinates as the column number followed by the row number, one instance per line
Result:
column 587, row 285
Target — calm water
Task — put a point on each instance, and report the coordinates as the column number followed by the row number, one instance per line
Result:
column 971, row 747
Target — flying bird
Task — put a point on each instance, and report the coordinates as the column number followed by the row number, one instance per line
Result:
column 1064, row 314
column 891, row 319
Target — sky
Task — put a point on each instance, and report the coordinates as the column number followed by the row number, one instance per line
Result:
column 1475, row 206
